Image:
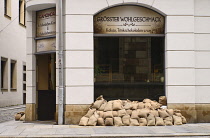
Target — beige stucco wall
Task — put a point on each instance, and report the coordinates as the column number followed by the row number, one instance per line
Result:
column 12, row 47
column 186, row 49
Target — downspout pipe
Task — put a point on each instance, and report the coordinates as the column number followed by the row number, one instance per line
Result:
column 60, row 64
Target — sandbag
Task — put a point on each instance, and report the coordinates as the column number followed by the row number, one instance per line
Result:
column 96, row 115
column 115, row 113
column 163, row 113
column 92, row 121
column 163, row 100
column 90, row 113
column 170, row 112
column 134, row 105
column 177, row 120
column 143, row 113
column 159, row 121
column 126, row 120
column 98, row 103
column 100, row 97
column 118, row 121
column 169, row 118
column 109, row 122
column 83, row 121
column 121, row 112
column 102, row 106
column 184, row 121
column 128, row 105
column 155, row 105
column 100, row 113
column 178, row 114
column 177, row 111
column 17, row 117
column 141, row 105
column 108, row 114
column 146, row 101
column 151, row 120
column 134, row 122
column 147, row 105
column 168, row 123
column 117, row 105
column 155, row 113
column 108, row 106
column 22, row 118
column 142, row 122
column 100, row 122
column 134, row 114
column 128, row 112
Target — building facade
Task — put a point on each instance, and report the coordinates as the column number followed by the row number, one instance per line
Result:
column 127, row 49
column 12, row 53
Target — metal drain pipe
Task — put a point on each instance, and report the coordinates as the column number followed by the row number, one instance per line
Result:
column 60, row 65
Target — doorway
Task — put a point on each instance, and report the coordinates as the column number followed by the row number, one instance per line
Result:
column 46, row 86
column 129, row 67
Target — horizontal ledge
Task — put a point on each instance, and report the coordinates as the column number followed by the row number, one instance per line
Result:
column 180, row 33
column 78, row 32
column 202, row 33
column 78, row 14
column 181, row 50
column 79, row 68
column 202, row 16
column 45, row 37
column 188, row 85
column 202, row 68
column 125, row 35
column 180, row 68
column 180, row 15
column 79, row 50
column 79, row 85
column 45, row 52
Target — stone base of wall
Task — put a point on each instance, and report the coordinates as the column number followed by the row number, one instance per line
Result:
column 30, row 112
column 194, row 113
column 73, row 113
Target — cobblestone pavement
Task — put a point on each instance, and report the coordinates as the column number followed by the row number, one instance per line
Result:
column 48, row 129
column 7, row 113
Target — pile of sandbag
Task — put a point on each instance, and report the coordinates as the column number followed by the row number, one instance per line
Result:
column 130, row 113
column 20, row 116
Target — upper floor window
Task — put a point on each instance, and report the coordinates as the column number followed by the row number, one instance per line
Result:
column 22, row 12
column 7, row 8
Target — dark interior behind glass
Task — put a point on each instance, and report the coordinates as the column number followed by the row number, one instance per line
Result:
column 129, row 67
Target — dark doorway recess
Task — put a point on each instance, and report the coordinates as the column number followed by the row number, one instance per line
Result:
column 47, row 105
column 46, row 88
column 129, row 67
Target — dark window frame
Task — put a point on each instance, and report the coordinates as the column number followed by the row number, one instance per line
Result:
column 20, row 2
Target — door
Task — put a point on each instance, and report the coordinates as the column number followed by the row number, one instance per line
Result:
column 46, row 86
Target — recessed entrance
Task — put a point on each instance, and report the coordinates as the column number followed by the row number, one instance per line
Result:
column 129, row 67
column 46, row 79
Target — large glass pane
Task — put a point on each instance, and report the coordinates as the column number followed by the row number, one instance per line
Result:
column 129, row 67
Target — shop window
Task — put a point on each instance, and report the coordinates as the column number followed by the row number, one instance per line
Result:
column 13, row 75
column 7, row 8
column 129, row 67
column 4, row 74
column 22, row 12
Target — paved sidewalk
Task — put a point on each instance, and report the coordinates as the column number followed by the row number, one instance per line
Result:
column 48, row 129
